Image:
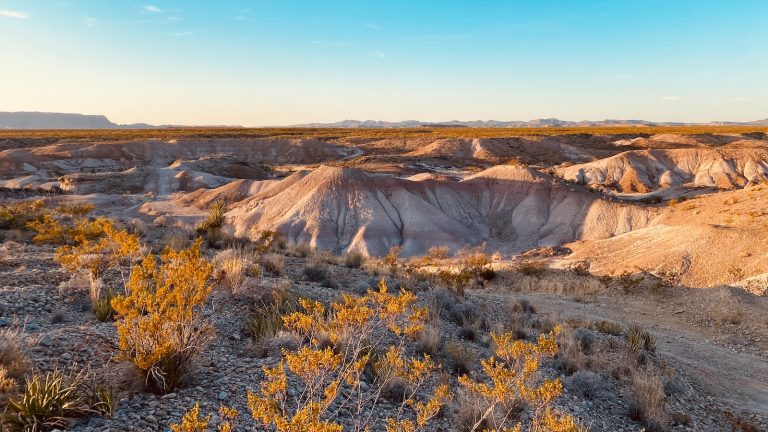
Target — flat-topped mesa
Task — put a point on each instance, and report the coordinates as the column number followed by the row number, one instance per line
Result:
column 511, row 207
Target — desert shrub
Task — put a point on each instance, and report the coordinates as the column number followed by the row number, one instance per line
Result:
column 52, row 230
column 177, row 240
column 646, row 402
column 586, row 339
column 581, row 268
column 15, row 215
column 75, row 209
column 160, row 325
column 587, row 383
column 50, row 401
column 231, row 266
column 191, row 421
column 460, row 358
column 137, row 227
column 667, row 279
column 523, row 305
column 78, row 285
column 215, row 221
column 14, row 362
column 486, row 274
column 273, row 264
column 464, row 313
column 476, row 263
column 627, row 281
column 354, row 259
column 731, row 316
column 607, row 327
column 532, row 268
column 392, row 258
column 437, row 300
column 470, row 332
column 315, row 272
column 512, row 377
column 429, row 341
column 570, row 356
column 355, row 325
column 269, row 241
column 303, row 250
column 266, row 320
column 454, row 281
column 469, row 414
column 438, row 252
column 577, row 323
column 639, row 339
column 113, row 249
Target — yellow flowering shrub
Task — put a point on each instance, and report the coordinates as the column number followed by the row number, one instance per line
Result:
column 113, row 249
column 159, row 320
column 64, row 228
column 336, row 348
column 191, row 421
column 17, row 214
column 511, row 376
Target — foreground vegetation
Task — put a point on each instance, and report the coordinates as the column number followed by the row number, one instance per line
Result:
column 415, row 348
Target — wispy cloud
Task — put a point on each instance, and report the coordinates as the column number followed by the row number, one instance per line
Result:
column 91, row 22
column 152, row 9
column 181, row 34
column 13, row 14
column 378, row 54
column 670, row 98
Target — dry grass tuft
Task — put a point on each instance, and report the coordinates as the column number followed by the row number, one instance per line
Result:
column 231, row 267
column 639, row 339
column 532, row 268
column 460, row 358
column 607, row 327
column 429, row 341
column 646, row 402
column 273, row 264
column 354, row 259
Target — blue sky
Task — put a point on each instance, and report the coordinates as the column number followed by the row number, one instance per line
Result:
column 283, row 62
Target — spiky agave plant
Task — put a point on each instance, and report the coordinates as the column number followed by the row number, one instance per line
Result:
column 47, row 403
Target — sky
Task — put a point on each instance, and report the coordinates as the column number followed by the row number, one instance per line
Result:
column 282, row 62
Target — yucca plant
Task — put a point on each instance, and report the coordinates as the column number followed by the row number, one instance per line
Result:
column 48, row 402
column 102, row 307
column 215, row 219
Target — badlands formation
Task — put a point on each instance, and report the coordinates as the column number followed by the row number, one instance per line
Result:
column 648, row 201
column 597, row 229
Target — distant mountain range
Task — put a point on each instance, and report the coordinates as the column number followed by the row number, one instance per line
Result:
column 549, row 122
column 44, row 120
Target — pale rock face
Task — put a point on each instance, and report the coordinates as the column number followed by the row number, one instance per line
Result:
column 728, row 167
column 511, row 208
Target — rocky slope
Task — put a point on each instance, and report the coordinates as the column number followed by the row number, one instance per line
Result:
column 728, row 167
column 511, row 207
